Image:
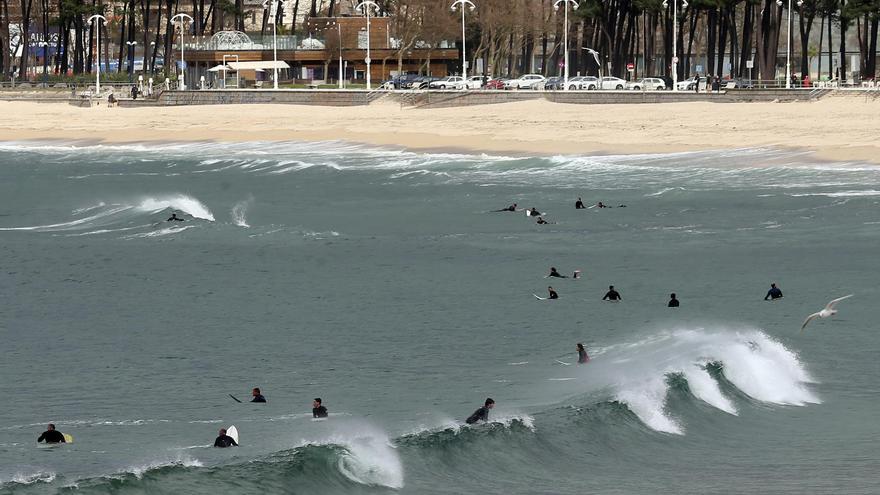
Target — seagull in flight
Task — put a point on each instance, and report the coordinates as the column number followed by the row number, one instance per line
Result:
column 825, row 313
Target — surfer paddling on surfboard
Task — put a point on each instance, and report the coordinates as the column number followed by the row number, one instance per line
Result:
column 509, row 208
column 481, row 414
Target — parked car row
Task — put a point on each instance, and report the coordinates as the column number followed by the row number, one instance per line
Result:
column 533, row 82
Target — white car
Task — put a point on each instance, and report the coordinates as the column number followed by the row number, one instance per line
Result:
column 582, row 82
column 688, row 84
column 612, row 83
column 527, row 81
column 476, row 82
column 449, row 82
column 648, row 83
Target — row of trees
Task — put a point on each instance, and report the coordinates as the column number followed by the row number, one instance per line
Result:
column 725, row 36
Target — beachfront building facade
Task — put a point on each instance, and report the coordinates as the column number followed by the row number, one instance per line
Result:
column 330, row 48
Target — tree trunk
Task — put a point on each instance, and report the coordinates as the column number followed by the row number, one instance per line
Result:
column 25, row 35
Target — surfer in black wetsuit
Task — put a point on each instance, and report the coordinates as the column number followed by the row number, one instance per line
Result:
column 318, row 410
column 51, row 435
column 509, row 208
column 554, row 273
column 583, row 358
column 174, row 218
column 774, row 293
column 223, row 440
column 673, row 302
column 481, row 414
column 533, row 212
column 600, row 205
column 553, row 294
column 612, row 295
column 541, row 221
column 579, row 205
column 258, row 396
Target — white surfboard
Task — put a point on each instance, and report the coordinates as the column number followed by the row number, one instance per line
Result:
column 563, row 362
column 539, row 297
column 232, row 431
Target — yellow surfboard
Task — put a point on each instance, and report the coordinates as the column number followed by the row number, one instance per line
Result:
column 68, row 438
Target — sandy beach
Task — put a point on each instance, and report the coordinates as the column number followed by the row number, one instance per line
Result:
column 835, row 128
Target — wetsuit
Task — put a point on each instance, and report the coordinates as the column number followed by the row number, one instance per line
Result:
column 773, row 293
column 319, row 412
column 579, row 205
column 51, row 436
column 510, row 208
column 673, row 303
column 174, row 218
column 224, row 441
column 534, row 213
column 554, row 273
column 582, row 356
column 259, row 398
column 481, row 414
column 554, row 295
column 541, row 221
column 612, row 295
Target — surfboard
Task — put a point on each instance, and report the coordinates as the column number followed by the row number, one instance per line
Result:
column 563, row 362
column 68, row 438
column 232, row 431
column 539, row 297
column 234, row 398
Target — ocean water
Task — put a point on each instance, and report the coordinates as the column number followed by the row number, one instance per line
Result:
column 381, row 281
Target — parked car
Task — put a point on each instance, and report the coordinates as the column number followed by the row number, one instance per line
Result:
column 528, row 81
column 422, row 82
column 688, row 84
column 448, row 82
column 612, row 83
column 648, row 84
column 495, row 83
column 583, row 82
column 399, row 81
column 551, row 84
column 476, row 82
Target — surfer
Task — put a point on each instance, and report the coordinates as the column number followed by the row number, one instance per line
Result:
column 174, row 218
column 258, row 396
column 223, row 440
column 533, row 212
column 553, row 294
column 600, row 205
column 318, row 410
column 481, row 414
column 612, row 295
column 774, row 293
column 583, row 358
column 554, row 273
column 51, row 435
column 579, row 205
column 541, row 221
column 509, row 208
column 673, row 302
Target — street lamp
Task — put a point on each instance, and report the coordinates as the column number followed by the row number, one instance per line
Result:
column 338, row 42
column 182, row 16
column 98, row 47
column 365, row 7
column 788, row 50
column 461, row 4
column 273, row 12
column 131, row 45
column 684, row 5
column 565, row 43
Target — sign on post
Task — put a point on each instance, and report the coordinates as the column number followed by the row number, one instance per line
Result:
column 630, row 67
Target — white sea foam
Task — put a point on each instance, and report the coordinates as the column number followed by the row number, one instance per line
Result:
column 759, row 366
column 239, row 213
column 370, row 458
column 181, row 460
column 29, row 479
column 186, row 204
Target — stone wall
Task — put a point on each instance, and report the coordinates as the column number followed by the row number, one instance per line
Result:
column 323, row 97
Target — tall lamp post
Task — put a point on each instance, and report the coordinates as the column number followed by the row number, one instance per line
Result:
column 565, row 43
column 273, row 13
column 338, row 42
column 98, row 46
column 462, row 4
column 182, row 16
column 788, row 49
column 365, row 6
column 684, row 5
column 131, row 45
